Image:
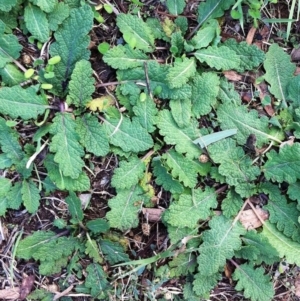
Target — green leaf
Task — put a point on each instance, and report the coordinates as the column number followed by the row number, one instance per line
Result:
column 92, row 250
column 237, row 167
column 182, row 138
column 9, row 142
column 145, row 112
column 177, row 43
column 205, row 90
column 60, row 12
column 9, row 47
column 232, row 204
column 128, row 173
column 11, row 75
column 81, row 86
column 253, row 282
column 5, row 185
column 62, row 182
column 157, row 74
column 7, row 5
column 14, row 196
column 92, row 135
column 16, row 101
column 205, row 36
column 30, row 196
column 257, row 248
column 283, row 214
column 203, row 284
column 96, row 279
column 129, row 135
column 279, row 71
column 221, row 58
column 227, row 93
column 182, row 265
column 52, row 252
column 212, row 9
column 36, row 22
column 124, row 208
column 246, row 122
column 98, row 225
column 284, row 245
column 179, row 74
column 181, row 111
column 293, row 191
column 250, row 55
column 113, row 251
column 65, row 144
column 165, row 179
column 135, row 28
column 189, row 209
column 74, row 206
column 283, row 166
column 5, row 161
column 175, row 7
column 182, row 168
column 71, row 50
column 124, row 57
column 219, row 244
column 293, row 90
column 46, row 5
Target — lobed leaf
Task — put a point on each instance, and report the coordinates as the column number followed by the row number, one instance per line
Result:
column 180, row 73
column 129, row 135
column 62, row 182
column 246, row 122
column 123, row 57
column 71, row 50
column 92, row 250
column 250, row 55
column 283, row 214
column 205, row 89
column 284, row 245
column 60, row 12
column 66, row 146
column 135, row 32
column 92, row 135
column 81, row 86
column 145, row 112
column 182, row 138
column 113, row 251
column 30, row 196
column 36, row 22
column 182, row 168
column 74, row 207
column 283, row 166
column 190, row 208
column 181, row 111
column 253, row 282
column 279, row 71
column 128, row 173
column 175, row 7
column 124, row 208
column 18, row 102
column 7, row 5
column 219, row 244
column 165, row 179
column 221, row 58
column 203, row 284
column 96, row 279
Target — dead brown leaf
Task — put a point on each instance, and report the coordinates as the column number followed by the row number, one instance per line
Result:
column 26, row 286
column 10, row 293
column 232, row 75
column 297, row 286
column 250, row 35
column 249, row 219
column 152, row 214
